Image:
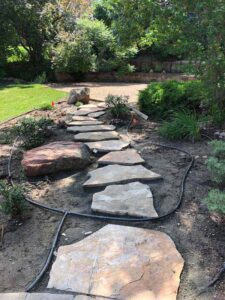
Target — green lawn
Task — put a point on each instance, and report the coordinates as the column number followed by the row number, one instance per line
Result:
column 19, row 98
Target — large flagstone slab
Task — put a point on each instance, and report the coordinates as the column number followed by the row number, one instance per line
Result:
column 45, row 296
column 84, row 123
column 82, row 118
column 97, row 114
column 106, row 146
column 96, row 136
column 87, row 111
column 113, row 174
column 133, row 199
column 91, row 128
column 127, row 157
column 121, row 262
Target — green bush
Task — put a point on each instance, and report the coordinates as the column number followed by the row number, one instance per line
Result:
column 14, row 203
column 42, row 78
column 218, row 149
column 215, row 201
column 46, row 106
column 183, row 125
column 117, row 106
column 32, row 132
column 159, row 100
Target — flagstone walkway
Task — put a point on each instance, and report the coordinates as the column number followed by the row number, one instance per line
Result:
column 116, row 262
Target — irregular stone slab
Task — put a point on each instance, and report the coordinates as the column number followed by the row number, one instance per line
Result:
column 128, row 157
column 79, row 94
column 120, row 262
column 82, row 118
column 119, row 174
column 91, row 128
column 13, row 296
column 36, row 296
column 54, row 157
column 106, row 146
column 84, row 123
column 133, row 199
column 96, row 114
column 88, row 111
column 96, row 136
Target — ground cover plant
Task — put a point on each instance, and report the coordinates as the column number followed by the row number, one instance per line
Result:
column 19, row 98
column 215, row 200
column 14, row 203
column 32, row 132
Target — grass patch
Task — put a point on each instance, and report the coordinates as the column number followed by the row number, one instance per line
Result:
column 19, row 98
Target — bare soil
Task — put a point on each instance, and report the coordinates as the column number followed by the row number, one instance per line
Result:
column 199, row 240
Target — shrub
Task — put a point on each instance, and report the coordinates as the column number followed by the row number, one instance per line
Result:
column 117, row 106
column 218, row 148
column 42, row 78
column 46, row 106
column 183, row 125
column 14, row 203
column 215, row 201
column 32, row 132
column 159, row 100
column 6, row 137
column 125, row 69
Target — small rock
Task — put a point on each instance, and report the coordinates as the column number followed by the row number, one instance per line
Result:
column 81, row 95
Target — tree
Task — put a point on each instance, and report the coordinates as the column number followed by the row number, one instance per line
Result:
column 31, row 24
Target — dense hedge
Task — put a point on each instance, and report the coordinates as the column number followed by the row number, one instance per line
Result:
column 161, row 99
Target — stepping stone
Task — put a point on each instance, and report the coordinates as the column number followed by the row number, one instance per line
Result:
column 83, row 118
column 91, row 128
column 96, row 136
column 54, row 157
column 35, row 296
column 120, row 262
column 119, row 174
column 84, row 123
column 133, row 199
column 87, row 111
column 106, row 146
column 96, row 114
column 128, row 157
column 45, row 296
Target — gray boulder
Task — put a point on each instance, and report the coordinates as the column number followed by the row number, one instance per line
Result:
column 81, row 94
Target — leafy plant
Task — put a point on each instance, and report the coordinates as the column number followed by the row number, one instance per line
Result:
column 217, row 169
column 42, row 78
column 14, row 203
column 125, row 69
column 159, row 100
column 215, row 201
column 46, row 106
column 6, row 137
column 32, row 132
column 183, row 125
column 117, row 106
column 218, row 148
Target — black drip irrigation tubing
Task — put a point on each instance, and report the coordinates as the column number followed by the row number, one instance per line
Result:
column 98, row 217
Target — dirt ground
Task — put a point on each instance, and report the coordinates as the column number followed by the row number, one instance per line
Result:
column 199, row 240
column 99, row 90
